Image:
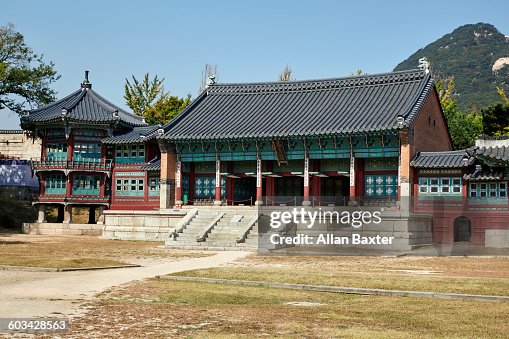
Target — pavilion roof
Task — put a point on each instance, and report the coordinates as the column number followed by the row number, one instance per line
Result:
column 83, row 105
column 350, row 105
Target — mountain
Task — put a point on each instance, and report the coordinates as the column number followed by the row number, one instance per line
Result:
column 477, row 55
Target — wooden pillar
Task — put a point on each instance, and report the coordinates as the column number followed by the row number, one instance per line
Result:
column 306, row 201
column 44, row 144
column 167, row 180
column 102, row 188
column 259, row 182
column 178, row 183
column 352, row 181
column 217, row 200
column 145, row 188
column 404, row 173
column 68, row 185
column 70, row 147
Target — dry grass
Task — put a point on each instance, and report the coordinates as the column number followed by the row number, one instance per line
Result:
column 79, row 251
column 473, row 275
column 158, row 308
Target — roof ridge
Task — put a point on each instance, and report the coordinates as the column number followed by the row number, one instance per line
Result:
column 356, row 78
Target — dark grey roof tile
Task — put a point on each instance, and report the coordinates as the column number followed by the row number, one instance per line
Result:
column 84, row 105
column 299, row 108
column 137, row 135
column 447, row 159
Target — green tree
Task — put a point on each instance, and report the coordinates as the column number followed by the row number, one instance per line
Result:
column 358, row 73
column 140, row 96
column 24, row 76
column 496, row 120
column 166, row 108
column 502, row 94
column 464, row 128
column 286, row 75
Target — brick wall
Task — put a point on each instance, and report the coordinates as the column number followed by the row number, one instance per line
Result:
column 430, row 128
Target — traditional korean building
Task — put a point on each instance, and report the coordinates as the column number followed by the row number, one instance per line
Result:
column 466, row 193
column 320, row 142
column 75, row 168
column 135, row 178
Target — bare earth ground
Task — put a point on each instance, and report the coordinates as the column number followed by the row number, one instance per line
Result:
column 43, row 294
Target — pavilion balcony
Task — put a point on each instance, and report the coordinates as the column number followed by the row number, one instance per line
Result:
column 74, row 199
column 81, row 164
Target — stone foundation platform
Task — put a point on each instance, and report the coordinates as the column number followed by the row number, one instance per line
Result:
column 48, row 228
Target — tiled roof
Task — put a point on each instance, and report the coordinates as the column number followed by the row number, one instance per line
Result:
column 138, row 134
column 152, row 165
column 299, row 108
column 447, row 159
column 84, row 105
column 484, row 175
column 497, row 153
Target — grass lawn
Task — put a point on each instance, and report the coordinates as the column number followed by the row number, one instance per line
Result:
column 159, row 308
column 472, row 275
column 80, row 251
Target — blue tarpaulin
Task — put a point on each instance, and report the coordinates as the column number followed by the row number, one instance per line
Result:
column 17, row 173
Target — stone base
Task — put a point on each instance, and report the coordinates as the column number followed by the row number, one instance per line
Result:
column 497, row 238
column 47, row 228
column 141, row 225
column 409, row 231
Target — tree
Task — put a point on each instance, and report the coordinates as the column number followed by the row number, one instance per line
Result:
column 149, row 99
column 501, row 92
column 358, row 73
column 496, row 120
column 166, row 108
column 140, row 96
column 25, row 78
column 286, row 74
column 464, row 128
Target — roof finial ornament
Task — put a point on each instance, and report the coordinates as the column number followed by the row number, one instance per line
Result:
column 211, row 80
column 400, row 120
column 86, row 84
column 424, row 64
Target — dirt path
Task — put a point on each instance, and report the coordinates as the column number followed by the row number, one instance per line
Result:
column 53, row 294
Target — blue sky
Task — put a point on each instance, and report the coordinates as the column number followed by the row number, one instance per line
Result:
column 247, row 40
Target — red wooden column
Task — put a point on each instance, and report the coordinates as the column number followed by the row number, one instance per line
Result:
column 217, row 202
column 43, row 147
column 178, row 183
column 70, row 147
column 352, row 179
column 42, row 184
column 102, row 189
column 68, row 186
column 306, row 201
column 146, row 188
column 259, row 182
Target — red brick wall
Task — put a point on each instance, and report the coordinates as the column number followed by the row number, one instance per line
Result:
column 430, row 128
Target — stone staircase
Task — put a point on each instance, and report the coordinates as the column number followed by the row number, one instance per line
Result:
column 201, row 232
